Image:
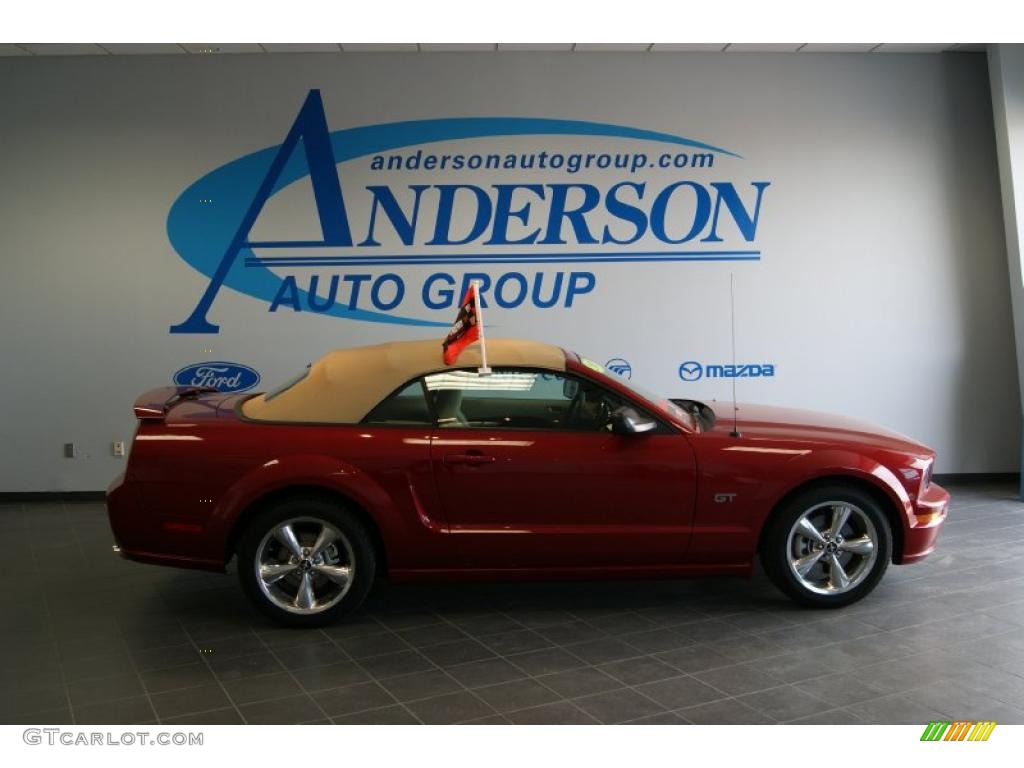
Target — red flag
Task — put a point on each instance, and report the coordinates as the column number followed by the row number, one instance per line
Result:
column 465, row 330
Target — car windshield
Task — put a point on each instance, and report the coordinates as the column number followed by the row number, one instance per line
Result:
column 664, row 403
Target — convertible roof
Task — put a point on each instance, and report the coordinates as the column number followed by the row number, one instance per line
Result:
column 344, row 385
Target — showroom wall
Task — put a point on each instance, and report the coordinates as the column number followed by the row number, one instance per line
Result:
column 153, row 217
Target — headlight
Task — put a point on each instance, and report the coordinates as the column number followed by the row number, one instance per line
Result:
column 926, row 476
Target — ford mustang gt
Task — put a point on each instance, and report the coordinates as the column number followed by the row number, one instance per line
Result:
column 384, row 461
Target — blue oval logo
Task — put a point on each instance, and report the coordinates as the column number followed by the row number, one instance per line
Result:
column 225, row 377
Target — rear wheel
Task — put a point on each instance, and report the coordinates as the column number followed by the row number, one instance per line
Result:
column 306, row 561
column 828, row 547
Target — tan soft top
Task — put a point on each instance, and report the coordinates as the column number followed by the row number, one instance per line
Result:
column 344, row 385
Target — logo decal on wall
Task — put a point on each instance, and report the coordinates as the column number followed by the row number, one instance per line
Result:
column 637, row 204
column 691, row 370
column 226, row 377
column 621, row 367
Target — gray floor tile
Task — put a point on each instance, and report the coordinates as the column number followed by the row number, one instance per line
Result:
column 450, row 708
column 353, row 698
column 185, row 676
column 895, row 710
column 331, row 676
column 287, row 711
column 725, row 712
column 186, row 700
column 225, row 716
column 618, row 706
column 394, row 715
column 261, row 688
column 738, row 679
column 394, row 664
column 546, row 661
column 785, row 703
column 644, row 669
column 557, row 713
column 245, row 666
column 679, row 692
column 304, row 656
column 487, row 672
column 601, row 651
column 458, row 652
column 95, row 691
column 121, row 712
column 420, row 685
column 517, row 694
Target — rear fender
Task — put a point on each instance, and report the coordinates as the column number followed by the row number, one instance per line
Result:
column 307, row 470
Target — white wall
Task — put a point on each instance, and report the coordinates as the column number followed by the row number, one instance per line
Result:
column 881, row 291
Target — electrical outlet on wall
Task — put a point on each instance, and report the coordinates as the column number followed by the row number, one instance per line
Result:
column 117, row 448
column 69, row 451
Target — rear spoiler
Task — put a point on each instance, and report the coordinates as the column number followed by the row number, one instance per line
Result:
column 154, row 404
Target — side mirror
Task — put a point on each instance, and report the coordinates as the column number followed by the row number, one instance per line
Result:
column 626, row 421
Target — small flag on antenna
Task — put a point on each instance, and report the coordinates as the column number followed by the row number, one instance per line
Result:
column 467, row 328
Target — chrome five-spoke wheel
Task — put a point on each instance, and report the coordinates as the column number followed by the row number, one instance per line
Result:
column 832, row 547
column 828, row 546
column 306, row 560
column 305, row 565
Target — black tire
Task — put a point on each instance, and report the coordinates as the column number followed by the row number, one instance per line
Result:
column 354, row 549
column 782, row 544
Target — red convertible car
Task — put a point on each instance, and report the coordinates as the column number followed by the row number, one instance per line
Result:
column 382, row 460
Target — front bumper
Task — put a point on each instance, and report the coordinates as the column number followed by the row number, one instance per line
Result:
column 929, row 513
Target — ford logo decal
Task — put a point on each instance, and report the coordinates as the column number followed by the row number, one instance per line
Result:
column 226, row 377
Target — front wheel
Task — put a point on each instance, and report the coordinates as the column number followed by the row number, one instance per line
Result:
column 306, row 562
column 828, row 547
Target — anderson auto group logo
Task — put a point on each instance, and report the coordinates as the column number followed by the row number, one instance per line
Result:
column 402, row 216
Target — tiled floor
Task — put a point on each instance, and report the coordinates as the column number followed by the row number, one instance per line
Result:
column 89, row 638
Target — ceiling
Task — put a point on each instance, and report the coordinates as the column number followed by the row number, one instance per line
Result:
column 129, row 49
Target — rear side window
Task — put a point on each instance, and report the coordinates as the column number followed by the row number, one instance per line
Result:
column 407, row 407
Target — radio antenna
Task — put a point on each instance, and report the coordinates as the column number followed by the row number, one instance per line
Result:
column 732, row 317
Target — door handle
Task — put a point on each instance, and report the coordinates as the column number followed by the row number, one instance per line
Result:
column 472, row 459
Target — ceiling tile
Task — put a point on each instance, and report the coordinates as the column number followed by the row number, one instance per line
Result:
column 64, row 49
column 674, row 47
column 763, row 47
column 913, row 47
column 10, row 49
column 208, row 48
column 379, row 47
column 838, row 47
column 449, row 47
column 588, row 47
column 301, row 47
column 134, row 49
column 534, row 46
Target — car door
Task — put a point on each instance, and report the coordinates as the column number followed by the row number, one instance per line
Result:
column 529, row 475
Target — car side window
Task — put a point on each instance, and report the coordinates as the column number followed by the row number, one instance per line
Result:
column 520, row 399
column 406, row 407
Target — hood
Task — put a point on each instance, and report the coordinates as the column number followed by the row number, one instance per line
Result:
column 793, row 424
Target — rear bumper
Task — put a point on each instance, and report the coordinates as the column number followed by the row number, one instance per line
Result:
column 929, row 513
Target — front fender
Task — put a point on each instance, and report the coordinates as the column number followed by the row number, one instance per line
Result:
column 839, row 463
